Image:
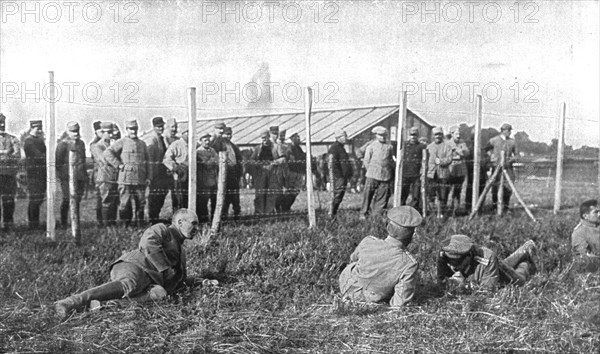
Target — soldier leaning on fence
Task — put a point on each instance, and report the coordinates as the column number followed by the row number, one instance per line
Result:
column 438, row 172
column 130, row 156
column 160, row 181
column 463, row 263
column 106, row 177
column 35, row 165
column 70, row 144
column 234, row 174
column 585, row 239
column 296, row 172
column 379, row 163
column 207, row 172
column 499, row 144
column 176, row 161
column 340, row 170
column 150, row 273
column 97, row 137
column 458, row 166
column 267, row 183
column 10, row 153
column 411, row 169
column 383, row 270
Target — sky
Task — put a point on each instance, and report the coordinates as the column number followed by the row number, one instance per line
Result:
column 524, row 58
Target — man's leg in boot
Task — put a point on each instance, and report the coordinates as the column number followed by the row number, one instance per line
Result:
column 154, row 292
column 108, row 291
column 523, row 253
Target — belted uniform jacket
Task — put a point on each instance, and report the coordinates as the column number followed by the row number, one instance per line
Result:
column 378, row 161
column 443, row 151
column 105, row 172
column 10, row 153
column 132, row 158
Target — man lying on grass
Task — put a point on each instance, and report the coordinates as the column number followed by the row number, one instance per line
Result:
column 155, row 269
column 382, row 270
column 461, row 263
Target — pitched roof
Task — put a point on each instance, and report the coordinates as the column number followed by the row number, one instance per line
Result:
column 247, row 129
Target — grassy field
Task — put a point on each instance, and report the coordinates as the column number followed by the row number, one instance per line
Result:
column 278, row 293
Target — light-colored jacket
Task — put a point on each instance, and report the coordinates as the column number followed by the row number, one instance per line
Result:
column 10, row 153
column 131, row 156
column 379, row 161
column 177, row 155
column 460, row 152
column 381, row 271
column 105, row 172
column 586, row 239
column 443, row 151
column 498, row 145
column 160, row 248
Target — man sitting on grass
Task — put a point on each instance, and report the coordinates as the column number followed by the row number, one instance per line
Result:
column 155, row 269
column 585, row 239
column 383, row 270
column 462, row 263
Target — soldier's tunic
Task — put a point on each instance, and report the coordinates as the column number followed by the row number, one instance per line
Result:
column 381, row 271
column 438, row 173
column 93, row 177
column 160, row 182
column 207, row 172
column 266, row 176
column 10, row 153
column 106, row 183
column 498, row 145
column 295, row 176
column 63, row 150
column 411, row 173
column 160, row 248
column 176, row 161
column 458, row 166
column 234, row 174
column 131, row 158
column 482, row 269
column 35, row 166
column 340, row 171
column 586, row 239
column 379, row 163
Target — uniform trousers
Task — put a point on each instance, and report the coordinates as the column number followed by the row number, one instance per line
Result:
column 411, row 185
column 375, row 196
column 37, row 191
column 66, row 199
column 131, row 194
column 339, row 190
column 109, row 201
column 8, row 188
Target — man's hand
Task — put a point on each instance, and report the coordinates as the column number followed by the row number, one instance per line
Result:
column 168, row 273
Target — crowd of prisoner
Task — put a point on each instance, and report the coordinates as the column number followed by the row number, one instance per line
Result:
column 381, row 270
column 131, row 171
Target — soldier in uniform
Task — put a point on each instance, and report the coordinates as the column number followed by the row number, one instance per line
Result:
column 383, row 271
column 207, row 171
column 458, row 166
column 438, row 172
column 74, row 144
column 340, row 170
column 10, row 153
column 296, row 172
column 411, row 172
column 176, row 161
column 150, row 273
column 462, row 263
column 106, row 177
column 160, row 182
column 585, row 239
column 130, row 156
column 379, row 163
column 97, row 125
column 234, row 174
column 35, row 165
column 267, row 182
column 498, row 145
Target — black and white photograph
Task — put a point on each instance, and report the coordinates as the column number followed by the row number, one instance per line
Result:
column 373, row 176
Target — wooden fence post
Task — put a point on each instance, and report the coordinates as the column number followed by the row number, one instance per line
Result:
column 73, row 200
column 476, row 153
column 424, row 197
column 312, row 218
column 399, row 149
column 559, row 158
column 50, row 160
column 216, row 219
column 500, row 201
column 192, row 143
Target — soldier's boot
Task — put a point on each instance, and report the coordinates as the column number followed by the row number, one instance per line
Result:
column 108, row 291
column 154, row 292
column 525, row 253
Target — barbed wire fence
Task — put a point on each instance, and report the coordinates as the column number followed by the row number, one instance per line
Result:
column 535, row 180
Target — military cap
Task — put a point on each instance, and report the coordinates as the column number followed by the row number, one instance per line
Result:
column 97, row 124
column 506, row 126
column 405, row 216
column 340, row 133
column 2, row 118
column 220, row 125
column 458, row 246
column 73, row 126
column 379, row 130
column 132, row 123
column 205, row 136
column 413, row 131
column 264, row 134
column 295, row 134
column 35, row 124
column 437, row 130
column 158, row 122
column 227, row 130
column 282, row 133
column 274, row 129
column 108, row 126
